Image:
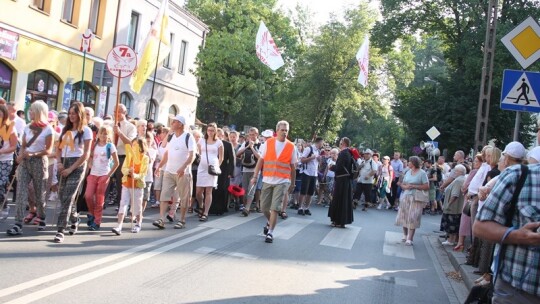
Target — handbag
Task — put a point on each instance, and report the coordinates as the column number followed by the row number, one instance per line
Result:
column 212, row 170
column 421, row 196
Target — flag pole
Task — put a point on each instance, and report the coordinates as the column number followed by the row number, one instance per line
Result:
column 155, row 74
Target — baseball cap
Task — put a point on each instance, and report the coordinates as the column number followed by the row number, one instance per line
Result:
column 51, row 116
column 267, row 133
column 515, row 149
column 180, row 118
column 368, row 151
column 534, row 153
column 386, row 157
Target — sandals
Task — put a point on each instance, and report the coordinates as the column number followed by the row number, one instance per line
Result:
column 190, row 210
column 59, row 237
column 283, row 215
column 74, row 227
column 203, row 218
column 15, row 230
column 180, row 225
column 29, row 217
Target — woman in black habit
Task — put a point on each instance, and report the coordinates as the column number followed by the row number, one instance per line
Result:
column 341, row 210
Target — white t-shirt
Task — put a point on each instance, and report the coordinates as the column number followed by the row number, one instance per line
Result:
column 39, row 144
column 19, row 125
column 479, row 178
column 152, row 153
column 130, row 131
column 368, row 165
column 6, row 145
column 177, row 152
column 100, row 162
column 311, row 167
column 330, row 162
column 78, row 143
column 274, row 180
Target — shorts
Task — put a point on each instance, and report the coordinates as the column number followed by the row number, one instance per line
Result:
column 125, row 200
column 146, row 192
column 259, row 182
column 158, row 181
column 246, row 177
column 308, row 185
column 176, row 188
column 298, row 182
column 272, row 196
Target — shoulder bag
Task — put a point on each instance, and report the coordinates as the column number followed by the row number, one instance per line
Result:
column 421, row 196
column 212, row 170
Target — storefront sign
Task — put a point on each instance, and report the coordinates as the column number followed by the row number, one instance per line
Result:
column 8, row 44
column 5, row 76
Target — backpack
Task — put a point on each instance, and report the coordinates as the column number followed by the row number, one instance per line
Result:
column 304, row 165
column 248, row 158
column 197, row 155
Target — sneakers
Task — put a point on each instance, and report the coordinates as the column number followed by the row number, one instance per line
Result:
column 265, row 229
column 379, row 207
column 136, row 229
column 155, row 205
column 159, row 223
column 93, row 227
column 447, row 243
column 15, row 230
column 41, row 223
column 59, row 237
column 307, row 212
column 245, row 212
column 74, row 227
column 117, row 230
column 269, row 238
column 301, row 212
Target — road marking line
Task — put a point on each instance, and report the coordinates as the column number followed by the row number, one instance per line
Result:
column 289, row 228
column 68, row 272
column 230, row 221
column 343, row 238
column 393, row 246
column 208, row 250
column 106, row 270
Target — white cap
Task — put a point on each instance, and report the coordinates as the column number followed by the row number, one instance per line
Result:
column 368, row 151
column 516, row 150
column 180, row 118
column 267, row 133
column 535, row 154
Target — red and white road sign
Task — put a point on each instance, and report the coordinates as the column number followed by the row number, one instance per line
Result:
column 121, row 61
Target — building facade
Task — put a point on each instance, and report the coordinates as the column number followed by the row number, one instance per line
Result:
column 174, row 89
column 41, row 57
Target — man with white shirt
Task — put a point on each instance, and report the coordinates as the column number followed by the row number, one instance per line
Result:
column 177, row 161
column 124, row 133
column 19, row 122
column 310, row 162
column 368, row 169
column 278, row 156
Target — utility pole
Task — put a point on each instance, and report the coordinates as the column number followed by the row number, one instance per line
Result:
column 482, row 115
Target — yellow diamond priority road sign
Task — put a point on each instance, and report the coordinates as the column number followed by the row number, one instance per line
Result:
column 523, row 42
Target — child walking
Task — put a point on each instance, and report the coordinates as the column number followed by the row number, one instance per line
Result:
column 133, row 182
column 101, row 157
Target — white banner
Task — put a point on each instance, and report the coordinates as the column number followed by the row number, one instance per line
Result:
column 267, row 50
column 363, row 62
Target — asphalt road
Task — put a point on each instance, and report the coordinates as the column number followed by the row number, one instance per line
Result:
column 226, row 260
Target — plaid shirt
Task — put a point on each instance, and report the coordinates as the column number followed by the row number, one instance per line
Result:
column 521, row 264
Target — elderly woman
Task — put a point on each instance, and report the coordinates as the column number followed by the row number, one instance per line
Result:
column 410, row 210
column 453, row 206
column 514, row 153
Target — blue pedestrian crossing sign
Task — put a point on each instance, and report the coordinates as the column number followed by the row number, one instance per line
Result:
column 520, row 90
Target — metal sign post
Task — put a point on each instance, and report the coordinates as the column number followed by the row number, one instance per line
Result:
column 121, row 62
column 85, row 47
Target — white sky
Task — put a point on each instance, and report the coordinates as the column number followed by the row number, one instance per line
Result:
column 322, row 8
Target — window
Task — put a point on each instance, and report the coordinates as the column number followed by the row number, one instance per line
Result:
column 167, row 60
column 132, row 30
column 97, row 14
column 42, row 5
column 87, row 96
column 42, row 85
column 67, row 12
column 5, row 81
column 183, row 55
column 173, row 110
column 126, row 99
column 152, row 110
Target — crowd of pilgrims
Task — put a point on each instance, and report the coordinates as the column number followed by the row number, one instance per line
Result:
column 78, row 161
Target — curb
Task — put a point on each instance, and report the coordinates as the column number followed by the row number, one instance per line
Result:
column 458, row 260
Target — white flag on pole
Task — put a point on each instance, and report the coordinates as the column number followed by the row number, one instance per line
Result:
column 363, row 62
column 267, row 50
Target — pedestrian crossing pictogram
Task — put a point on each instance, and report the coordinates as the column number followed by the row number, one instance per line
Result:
column 520, row 90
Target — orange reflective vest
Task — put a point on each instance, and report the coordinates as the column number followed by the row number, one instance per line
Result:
column 275, row 166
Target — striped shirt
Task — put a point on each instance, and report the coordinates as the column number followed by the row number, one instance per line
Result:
column 521, row 264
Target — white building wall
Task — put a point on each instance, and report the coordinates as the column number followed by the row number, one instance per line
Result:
column 171, row 87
